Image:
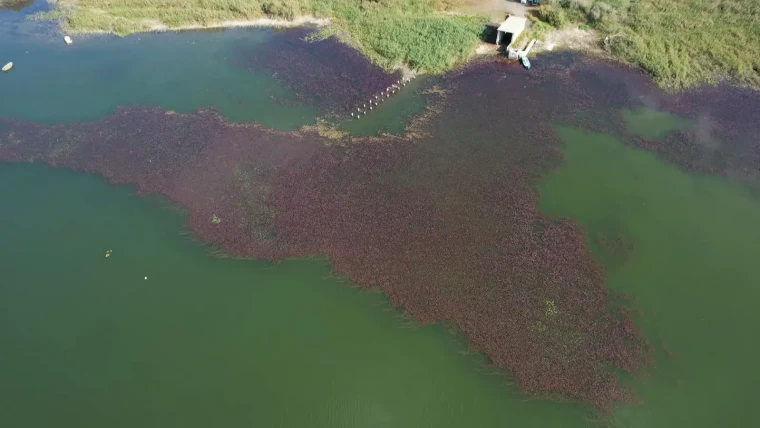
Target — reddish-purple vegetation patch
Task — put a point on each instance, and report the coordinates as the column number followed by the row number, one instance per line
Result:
column 444, row 220
column 724, row 138
column 327, row 72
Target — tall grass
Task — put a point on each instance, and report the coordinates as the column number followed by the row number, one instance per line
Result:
column 392, row 33
column 681, row 43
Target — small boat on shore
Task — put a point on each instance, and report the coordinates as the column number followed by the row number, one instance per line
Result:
column 525, row 62
column 8, row 66
column 68, row 40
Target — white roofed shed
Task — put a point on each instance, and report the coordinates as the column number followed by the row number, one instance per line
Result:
column 510, row 30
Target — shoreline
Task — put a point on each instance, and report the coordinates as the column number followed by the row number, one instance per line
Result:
column 160, row 27
column 480, row 50
column 393, row 35
column 390, row 36
column 304, row 21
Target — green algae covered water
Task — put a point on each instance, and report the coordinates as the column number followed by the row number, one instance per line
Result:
column 691, row 242
column 89, row 341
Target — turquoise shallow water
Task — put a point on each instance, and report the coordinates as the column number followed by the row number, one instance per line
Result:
column 52, row 82
column 179, row 71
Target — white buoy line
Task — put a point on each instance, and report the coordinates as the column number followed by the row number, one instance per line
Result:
column 376, row 99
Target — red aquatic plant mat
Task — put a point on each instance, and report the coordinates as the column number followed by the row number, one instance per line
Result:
column 326, row 72
column 443, row 220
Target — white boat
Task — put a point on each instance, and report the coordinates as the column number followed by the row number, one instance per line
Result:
column 8, row 66
column 68, row 40
column 525, row 62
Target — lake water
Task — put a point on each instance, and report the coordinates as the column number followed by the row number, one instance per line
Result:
column 690, row 272
column 163, row 334
column 88, row 341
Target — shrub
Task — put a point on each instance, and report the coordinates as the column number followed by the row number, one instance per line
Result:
column 553, row 16
column 280, row 9
column 602, row 13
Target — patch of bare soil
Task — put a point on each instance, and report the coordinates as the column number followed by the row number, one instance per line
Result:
column 574, row 39
column 497, row 10
column 487, row 49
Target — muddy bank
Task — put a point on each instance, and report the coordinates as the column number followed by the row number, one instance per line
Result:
column 443, row 220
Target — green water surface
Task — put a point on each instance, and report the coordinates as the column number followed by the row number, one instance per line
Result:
column 391, row 114
column 52, row 82
column 87, row 341
column 689, row 264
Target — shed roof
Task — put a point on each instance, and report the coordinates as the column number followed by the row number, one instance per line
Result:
column 513, row 24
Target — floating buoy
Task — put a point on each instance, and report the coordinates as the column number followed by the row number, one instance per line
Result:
column 8, row 66
column 146, row 278
column 68, row 40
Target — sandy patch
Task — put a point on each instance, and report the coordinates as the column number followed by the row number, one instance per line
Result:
column 571, row 39
column 487, row 49
column 261, row 22
column 497, row 10
column 154, row 25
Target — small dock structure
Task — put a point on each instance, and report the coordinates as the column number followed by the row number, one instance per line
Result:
column 517, row 53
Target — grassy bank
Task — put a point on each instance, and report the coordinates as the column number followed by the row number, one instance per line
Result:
column 392, row 33
column 681, row 43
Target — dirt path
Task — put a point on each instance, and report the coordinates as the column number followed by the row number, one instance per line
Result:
column 495, row 9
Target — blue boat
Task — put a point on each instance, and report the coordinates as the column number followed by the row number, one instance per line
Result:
column 525, row 62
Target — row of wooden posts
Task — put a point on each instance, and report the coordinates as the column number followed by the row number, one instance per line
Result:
column 378, row 98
